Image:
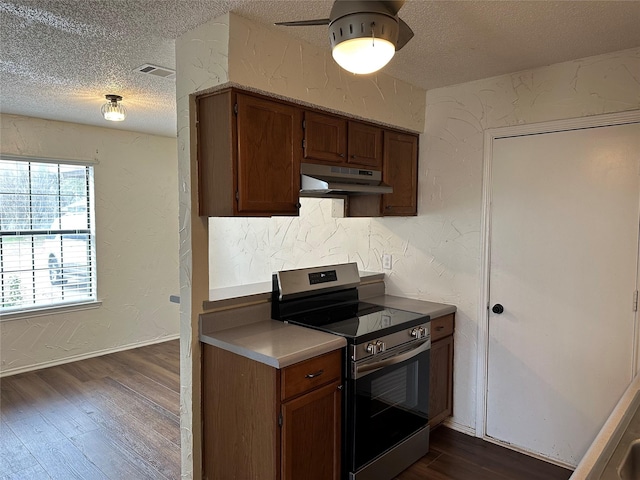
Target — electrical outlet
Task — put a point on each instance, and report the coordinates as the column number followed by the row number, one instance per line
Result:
column 386, row 261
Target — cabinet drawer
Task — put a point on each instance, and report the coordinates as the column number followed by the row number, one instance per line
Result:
column 307, row 375
column 441, row 327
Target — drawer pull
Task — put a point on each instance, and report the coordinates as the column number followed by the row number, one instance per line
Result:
column 314, row 375
column 439, row 328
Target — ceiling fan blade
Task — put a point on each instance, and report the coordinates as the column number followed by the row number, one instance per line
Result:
column 404, row 34
column 305, row 23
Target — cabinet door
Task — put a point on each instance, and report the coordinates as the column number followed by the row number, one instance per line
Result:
column 441, row 381
column 325, row 138
column 365, row 145
column 401, row 172
column 311, row 427
column 268, row 157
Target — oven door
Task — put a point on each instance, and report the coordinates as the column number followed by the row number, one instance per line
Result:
column 387, row 401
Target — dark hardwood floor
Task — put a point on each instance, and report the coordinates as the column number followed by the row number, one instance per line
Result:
column 456, row 456
column 111, row 417
column 117, row 417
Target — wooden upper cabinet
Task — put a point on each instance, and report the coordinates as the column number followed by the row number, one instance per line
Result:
column 269, row 152
column 338, row 141
column 249, row 151
column 365, row 145
column 400, row 170
column 250, row 147
column 325, row 138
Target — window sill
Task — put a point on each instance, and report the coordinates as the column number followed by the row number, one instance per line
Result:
column 42, row 311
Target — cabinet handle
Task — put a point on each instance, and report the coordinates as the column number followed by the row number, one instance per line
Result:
column 314, row 375
column 439, row 328
column 342, row 155
column 353, row 156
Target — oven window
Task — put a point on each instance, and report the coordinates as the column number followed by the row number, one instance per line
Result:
column 390, row 405
column 394, row 390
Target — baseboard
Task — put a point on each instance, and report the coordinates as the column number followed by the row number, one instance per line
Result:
column 458, row 427
column 472, row 432
column 84, row 356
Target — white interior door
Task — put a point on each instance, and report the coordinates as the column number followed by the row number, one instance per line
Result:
column 563, row 263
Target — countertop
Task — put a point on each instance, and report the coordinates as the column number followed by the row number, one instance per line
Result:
column 434, row 310
column 280, row 344
column 273, row 342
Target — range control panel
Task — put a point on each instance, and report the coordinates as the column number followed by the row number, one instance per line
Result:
column 323, row 277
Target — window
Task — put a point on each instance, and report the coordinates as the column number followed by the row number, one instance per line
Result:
column 47, row 234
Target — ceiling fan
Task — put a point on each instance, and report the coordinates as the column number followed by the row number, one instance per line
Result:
column 364, row 34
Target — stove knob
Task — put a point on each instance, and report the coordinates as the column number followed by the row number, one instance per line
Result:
column 419, row 332
column 375, row 348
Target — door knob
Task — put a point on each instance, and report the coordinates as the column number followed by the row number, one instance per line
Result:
column 497, row 308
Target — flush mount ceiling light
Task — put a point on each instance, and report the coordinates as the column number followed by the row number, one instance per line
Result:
column 112, row 110
column 364, row 35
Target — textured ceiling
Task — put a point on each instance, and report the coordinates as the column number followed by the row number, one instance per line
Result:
column 58, row 58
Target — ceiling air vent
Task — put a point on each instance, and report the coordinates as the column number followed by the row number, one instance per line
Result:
column 163, row 72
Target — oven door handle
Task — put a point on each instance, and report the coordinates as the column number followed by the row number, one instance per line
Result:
column 360, row 371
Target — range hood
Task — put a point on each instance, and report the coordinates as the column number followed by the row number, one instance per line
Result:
column 327, row 180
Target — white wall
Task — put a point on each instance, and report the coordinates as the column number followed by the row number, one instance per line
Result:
column 437, row 254
column 137, row 241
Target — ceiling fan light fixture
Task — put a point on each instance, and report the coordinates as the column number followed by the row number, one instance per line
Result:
column 363, row 55
column 113, row 110
column 363, row 42
column 364, row 34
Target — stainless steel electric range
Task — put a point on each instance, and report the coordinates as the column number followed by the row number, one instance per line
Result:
column 386, row 368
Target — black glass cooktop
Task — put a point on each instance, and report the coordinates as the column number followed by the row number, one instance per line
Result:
column 358, row 322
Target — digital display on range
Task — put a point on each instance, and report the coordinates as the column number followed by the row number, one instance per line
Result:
column 323, row 277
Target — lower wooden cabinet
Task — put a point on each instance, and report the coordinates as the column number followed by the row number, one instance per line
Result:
column 263, row 423
column 311, row 435
column 441, row 375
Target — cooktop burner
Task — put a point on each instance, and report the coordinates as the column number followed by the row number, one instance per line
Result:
column 359, row 322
